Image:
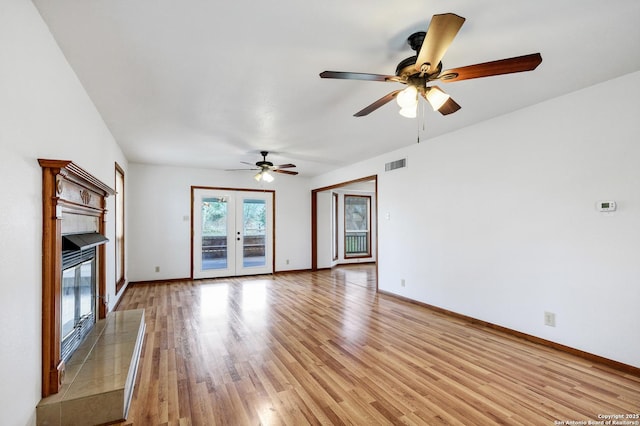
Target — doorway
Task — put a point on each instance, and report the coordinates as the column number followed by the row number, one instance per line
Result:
column 330, row 232
column 232, row 232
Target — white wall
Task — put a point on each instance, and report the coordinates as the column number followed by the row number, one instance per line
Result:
column 44, row 113
column 159, row 231
column 498, row 222
column 325, row 213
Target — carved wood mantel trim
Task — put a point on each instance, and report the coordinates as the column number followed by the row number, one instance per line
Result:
column 66, row 189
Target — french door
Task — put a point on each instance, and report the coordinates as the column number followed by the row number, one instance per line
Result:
column 232, row 233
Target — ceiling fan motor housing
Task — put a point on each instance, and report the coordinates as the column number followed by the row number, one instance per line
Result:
column 264, row 163
column 406, row 67
column 415, row 40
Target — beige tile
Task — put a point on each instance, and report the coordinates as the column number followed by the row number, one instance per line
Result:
column 101, row 324
column 110, row 338
column 124, row 319
column 96, row 386
column 70, row 373
column 96, row 368
column 115, row 350
column 80, row 354
column 93, row 410
column 48, row 415
column 55, row 398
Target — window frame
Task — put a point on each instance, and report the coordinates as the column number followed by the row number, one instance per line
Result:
column 358, row 255
column 120, row 229
column 335, row 221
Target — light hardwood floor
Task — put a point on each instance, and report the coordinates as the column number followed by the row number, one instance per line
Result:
column 325, row 348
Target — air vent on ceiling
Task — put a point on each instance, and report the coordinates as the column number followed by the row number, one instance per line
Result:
column 398, row 164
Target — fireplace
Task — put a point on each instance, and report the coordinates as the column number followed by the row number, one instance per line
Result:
column 74, row 292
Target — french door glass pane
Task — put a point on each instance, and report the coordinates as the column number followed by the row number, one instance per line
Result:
column 232, row 232
column 254, row 226
column 214, row 233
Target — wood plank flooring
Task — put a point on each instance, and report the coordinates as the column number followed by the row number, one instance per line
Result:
column 324, row 348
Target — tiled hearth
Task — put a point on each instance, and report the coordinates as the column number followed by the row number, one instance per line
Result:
column 99, row 377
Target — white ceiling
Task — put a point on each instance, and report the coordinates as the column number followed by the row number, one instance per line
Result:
column 211, row 83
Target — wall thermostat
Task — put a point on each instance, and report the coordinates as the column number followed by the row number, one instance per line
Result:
column 606, row 206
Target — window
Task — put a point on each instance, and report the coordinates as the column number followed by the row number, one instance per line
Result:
column 357, row 219
column 120, row 271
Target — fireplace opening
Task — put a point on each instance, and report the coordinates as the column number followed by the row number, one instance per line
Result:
column 77, row 302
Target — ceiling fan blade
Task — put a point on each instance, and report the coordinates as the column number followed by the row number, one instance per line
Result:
column 442, row 30
column 248, row 164
column 377, row 104
column 235, row 170
column 287, row 172
column 487, row 69
column 285, row 166
column 357, row 76
column 449, row 107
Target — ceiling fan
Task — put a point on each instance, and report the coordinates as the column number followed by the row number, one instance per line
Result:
column 417, row 72
column 265, row 168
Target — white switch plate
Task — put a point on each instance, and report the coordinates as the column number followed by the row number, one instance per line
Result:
column 550, row 319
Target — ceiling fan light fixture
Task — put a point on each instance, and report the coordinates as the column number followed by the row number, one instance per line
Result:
column 408, row 98
column 409, row 112
column 264, row 176
column 267, row 177
column 437, row 97
column 408, row 101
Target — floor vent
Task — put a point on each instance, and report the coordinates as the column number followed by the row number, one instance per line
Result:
column 398, row 164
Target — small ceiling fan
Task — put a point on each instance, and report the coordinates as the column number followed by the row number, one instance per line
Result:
column 265, row 168
column 417, row 72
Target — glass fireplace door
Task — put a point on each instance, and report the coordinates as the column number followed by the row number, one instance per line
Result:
column 77, row 305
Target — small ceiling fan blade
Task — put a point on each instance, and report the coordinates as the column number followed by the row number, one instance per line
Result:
column 287, row 172
column 357, row 76
column 487, row 69
column 248, row 164
column 235, row 170
column 377, row 104
column 442, row 30
column 449, row 107
column 285, row 166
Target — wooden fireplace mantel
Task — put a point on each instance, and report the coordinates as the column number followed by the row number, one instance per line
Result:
column 67, row 189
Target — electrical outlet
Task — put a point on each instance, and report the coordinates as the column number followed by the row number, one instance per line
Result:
column 402, row 282
column 550, row 319
column 157, row 269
